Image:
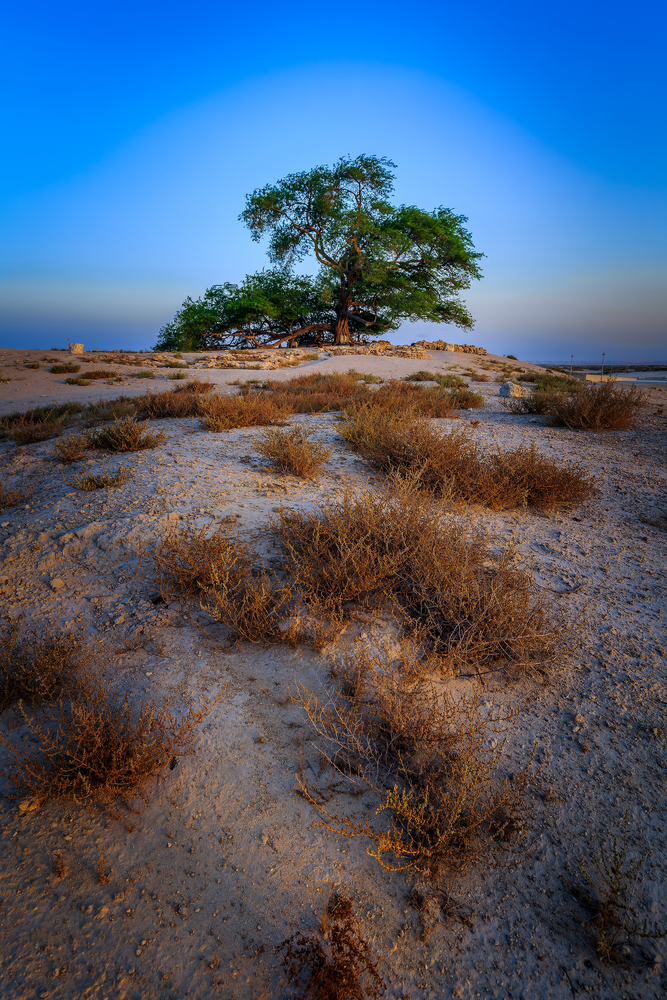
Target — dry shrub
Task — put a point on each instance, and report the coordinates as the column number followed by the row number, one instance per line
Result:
column 293, row 451
column 472, row 608
column 144, row 373
column 32, row 364
column 30, row 431
column 177, row 376
column 222, row 413
column 317, row 392
column 35, row 669
column 95, row 747
column 191, row 561
column 454, row 466
column 427, row 755
column 65, row 369
column 88, row 481
column 588, row 406
column 79, row 380
column 171, row 403
column 9, row 496
column 70, row 448
column 608, row 896
column 196, row 386
column 99, row 373
column 447, row 381
column 337, row 963
column 124, row 435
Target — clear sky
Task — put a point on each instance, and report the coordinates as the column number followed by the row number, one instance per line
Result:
column 133, row 131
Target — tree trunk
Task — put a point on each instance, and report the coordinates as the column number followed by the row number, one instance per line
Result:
column 342, row 335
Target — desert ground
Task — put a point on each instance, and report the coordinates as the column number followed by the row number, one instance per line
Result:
column 227, row 860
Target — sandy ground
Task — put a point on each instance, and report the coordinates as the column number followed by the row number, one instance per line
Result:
column 225, row 861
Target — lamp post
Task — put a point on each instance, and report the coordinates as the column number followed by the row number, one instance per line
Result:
column 602, row 369
column 571, row 360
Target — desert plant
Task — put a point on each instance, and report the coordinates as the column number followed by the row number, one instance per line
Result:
column 95, row 747
column 32, row 431
column 68, row 368
column 222, row 413
column 10, row 496
column 447, row 381
column 337, row 963
column 176, row 364
column 455, row 467
column 581, row 405
column 194, row 385
column 293, row 451
column 613, row 917
column 472, row 608
column 177, row 376
column 426, row 755
column 70, row 448
column 32, row 364
column 79, row 380
column 144, row 373
column 88, row 481
column 34, row 668
column 100, row 373
column 124, row 435
column 191, row 561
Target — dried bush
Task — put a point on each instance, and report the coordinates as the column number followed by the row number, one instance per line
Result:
column 95, row 747
column 588, row 406
column 427, row 756
column 337, row 963
column 144, row 373
column 222, row 413
column 88, row 481
column 70, row 448
column 99, row 373
column 293, row 451
column 196, row 386
column 79, row 380
column 191, row 561
column 107, row 410
column 65, row 369
column 171, row 403
column 124, row 435
column 315, row 392
column 447, row 381
column 32, row 364
column 454, row 466
column 613, row 917
column 552, row 383
column 177, row 376
column 9, row 496
column 29, row 431
column 176, row 364
column 474, row 609
column 35, row 669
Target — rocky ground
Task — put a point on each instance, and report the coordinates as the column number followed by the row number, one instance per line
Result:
column 225, row 861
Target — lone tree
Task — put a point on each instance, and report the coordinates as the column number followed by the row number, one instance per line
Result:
column 382, row 264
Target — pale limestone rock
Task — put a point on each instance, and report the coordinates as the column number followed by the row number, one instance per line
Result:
column 76, row 348
column 511, row 389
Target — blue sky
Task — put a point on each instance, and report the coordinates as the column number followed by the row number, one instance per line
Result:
column 132, row 133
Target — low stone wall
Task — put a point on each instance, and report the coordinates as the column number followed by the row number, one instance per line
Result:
column 442, row 345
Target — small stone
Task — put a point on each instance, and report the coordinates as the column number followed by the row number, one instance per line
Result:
column 511, row 389
column 76, row 348
column 57, row 584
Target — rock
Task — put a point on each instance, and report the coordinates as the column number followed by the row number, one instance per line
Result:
column 511, row 389
column 28, row 805
column 76, row 348
column 57, row 584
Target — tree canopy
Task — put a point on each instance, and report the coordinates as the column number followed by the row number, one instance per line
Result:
column 379, row 265
column 385, row 264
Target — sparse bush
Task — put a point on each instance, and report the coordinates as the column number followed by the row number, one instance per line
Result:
column 32, row 364
column 144, row 373
column 176, row 364
column 428, row 758
column 454, row 466
column 29, row 431
column 177, row 376
column 88, row 481
column 222, row 413
column 316, row 391
column 613, row 917
column 124, row 435
column 35, row 669
column 95, row 747
column 192, row 561
column 70, row 448
column 470, row 607
column 447, row 381
column 196, row 386
column 100, row 373
column 581, row 405
column 337, row 964
column 68, row 368
column 79, row 380
column 171, row 403
column 293, row 451
column 9, row 496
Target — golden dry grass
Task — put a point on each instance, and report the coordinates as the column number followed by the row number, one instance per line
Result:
column 563, row 402
column 88, row 481
column 473, row 608
column 427, row 756
column 223, row 413
column 34, row 668
column 124, row 435
column 11, row 495
column 293, row 451
column 455, row 467
column 70, row 448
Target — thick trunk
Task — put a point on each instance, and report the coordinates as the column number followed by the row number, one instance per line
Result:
column 342, row 334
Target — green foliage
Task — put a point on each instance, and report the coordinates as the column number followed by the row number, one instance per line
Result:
column 384, row 264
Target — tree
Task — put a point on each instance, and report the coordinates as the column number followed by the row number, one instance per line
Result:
column 270, row 307
column 383, row 264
